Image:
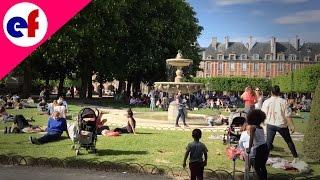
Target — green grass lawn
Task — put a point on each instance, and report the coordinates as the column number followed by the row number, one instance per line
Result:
column 148, row 147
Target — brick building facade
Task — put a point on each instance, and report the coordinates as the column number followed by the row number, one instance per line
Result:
column 256, row 59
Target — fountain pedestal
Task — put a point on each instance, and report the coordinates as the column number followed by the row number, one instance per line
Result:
column 178, row 85
column 173, row 112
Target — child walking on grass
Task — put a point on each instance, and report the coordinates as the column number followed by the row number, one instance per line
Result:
column 197, row 150
column 258, row 150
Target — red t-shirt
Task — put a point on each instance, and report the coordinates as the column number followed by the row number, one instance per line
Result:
column 249, row 100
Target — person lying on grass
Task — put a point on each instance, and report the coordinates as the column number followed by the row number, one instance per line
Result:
column 56, row 126
column 131, row 126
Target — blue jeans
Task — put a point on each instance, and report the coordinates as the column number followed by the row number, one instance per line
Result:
column 284, row 132
column 49, row 137
column 181, row 114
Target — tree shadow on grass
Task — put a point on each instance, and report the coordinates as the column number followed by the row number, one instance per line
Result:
column 146, row 133
column 105, row 152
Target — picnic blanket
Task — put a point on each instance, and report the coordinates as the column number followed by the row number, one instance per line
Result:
column 280, row 163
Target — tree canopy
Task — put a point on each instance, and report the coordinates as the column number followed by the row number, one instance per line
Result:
column 127, row 40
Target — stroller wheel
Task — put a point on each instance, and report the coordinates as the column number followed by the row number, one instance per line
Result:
column 77, row 152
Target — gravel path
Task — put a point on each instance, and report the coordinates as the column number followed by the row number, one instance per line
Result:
column 40, row 173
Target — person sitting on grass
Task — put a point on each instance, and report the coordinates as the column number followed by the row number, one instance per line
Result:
column 43, row 106
column 55, row 128
column 100, row 122
column 131, row 126
column 60, row 108
column 197, row 150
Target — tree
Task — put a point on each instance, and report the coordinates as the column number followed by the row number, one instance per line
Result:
column 312, row 135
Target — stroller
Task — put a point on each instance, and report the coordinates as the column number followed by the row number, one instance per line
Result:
column 86, row 133
column 236, row 121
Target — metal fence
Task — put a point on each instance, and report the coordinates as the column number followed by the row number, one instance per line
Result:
column 108, row 166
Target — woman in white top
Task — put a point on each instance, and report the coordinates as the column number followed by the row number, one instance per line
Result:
column 258, row 149
column 259, row 97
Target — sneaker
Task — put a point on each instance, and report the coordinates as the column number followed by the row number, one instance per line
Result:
column 295, row 160
column 31, row 140
column 177, row 125
column 186, row 125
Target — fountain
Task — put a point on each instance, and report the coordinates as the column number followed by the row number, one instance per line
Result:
column 178, row 85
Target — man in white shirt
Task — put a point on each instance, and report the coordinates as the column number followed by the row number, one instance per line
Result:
column 278, row 118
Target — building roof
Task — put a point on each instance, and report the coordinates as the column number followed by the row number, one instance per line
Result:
column 262, row 48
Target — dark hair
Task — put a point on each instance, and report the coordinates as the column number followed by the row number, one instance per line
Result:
column 130, row 113
column 275, row 90
column 2, row 109
column 196, row 134
column 256, row 117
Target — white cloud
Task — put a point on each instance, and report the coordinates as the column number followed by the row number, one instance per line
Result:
column 237, row 2
column 293, row 1
column 232, row 2
column 300, row 17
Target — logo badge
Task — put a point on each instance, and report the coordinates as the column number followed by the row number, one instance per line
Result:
column 25, row 24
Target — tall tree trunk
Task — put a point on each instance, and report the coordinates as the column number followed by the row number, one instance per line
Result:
column 90, row 86
column 27, row 80
column 120, row 86
column 84, row 81
column 60, row 87
column 128, row 92
column 100, row 88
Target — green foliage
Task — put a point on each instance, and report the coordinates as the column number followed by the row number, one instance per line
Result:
column 233, row 84
column 301, row 81
column 312, row 136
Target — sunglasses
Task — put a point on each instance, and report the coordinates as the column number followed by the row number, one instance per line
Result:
column 257, row 89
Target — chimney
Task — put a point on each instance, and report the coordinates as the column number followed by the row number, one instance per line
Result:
column 250, row 43
column 214, row 43
column 297, row 43
column 226, row 42
column 273, row 47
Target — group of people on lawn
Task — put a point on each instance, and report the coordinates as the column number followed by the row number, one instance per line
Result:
column 275, row 113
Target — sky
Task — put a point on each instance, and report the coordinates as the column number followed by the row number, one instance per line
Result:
column 262, row 19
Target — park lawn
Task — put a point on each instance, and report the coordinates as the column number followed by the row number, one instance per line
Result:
column 161, row 148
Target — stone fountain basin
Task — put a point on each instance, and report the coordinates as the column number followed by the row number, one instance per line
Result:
column 174, row 87
column 179, row 62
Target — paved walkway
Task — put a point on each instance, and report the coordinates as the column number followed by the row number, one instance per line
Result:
column 41, row 173
column 117, row 117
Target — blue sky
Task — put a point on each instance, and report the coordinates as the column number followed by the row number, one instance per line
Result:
column 261, row 19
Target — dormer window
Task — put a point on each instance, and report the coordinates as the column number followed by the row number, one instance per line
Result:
column 292, row 57
column 255, row 56
column 209, row 57
column 307, row 58
column 281, row 57
column 267, row 57
column 220, row 57
column 232, row 56
column 243, row 57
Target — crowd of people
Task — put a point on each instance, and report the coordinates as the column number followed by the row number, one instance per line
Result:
column 273, row 111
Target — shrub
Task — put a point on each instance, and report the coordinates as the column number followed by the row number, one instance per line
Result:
column 312, row 137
